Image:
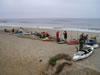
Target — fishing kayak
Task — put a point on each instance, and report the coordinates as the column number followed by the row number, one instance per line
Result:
column 83, row 54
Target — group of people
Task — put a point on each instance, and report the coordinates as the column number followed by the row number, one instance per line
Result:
column 84, row 38
column 20, row 30
column 58, row 38
column 6, row 30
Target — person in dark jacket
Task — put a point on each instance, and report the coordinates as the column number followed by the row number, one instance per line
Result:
column 65, row 36
column 81, row 42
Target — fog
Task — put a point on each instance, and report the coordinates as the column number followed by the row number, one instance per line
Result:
column 49, row 9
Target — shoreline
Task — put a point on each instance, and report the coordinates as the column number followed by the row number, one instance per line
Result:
column 91, row 30
column 70, row 32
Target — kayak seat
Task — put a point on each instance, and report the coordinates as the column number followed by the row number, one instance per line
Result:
column 85, row 51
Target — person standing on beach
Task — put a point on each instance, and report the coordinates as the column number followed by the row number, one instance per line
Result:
column 83, row 37
column 57, row 36
column 13, row 30
column 65, row 36
column 81, row 42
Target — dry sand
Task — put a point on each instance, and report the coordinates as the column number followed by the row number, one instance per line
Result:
column 21, row 56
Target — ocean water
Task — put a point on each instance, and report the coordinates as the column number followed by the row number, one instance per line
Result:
column 75, row 24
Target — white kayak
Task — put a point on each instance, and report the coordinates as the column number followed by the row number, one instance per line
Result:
column 83, row 54
column 94, row 46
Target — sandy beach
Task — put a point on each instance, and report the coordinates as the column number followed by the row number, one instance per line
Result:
column 21, row 55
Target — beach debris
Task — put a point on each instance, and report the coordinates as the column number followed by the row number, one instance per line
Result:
column 40, row 60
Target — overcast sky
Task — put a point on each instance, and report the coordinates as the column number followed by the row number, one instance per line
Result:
column 49, row 9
